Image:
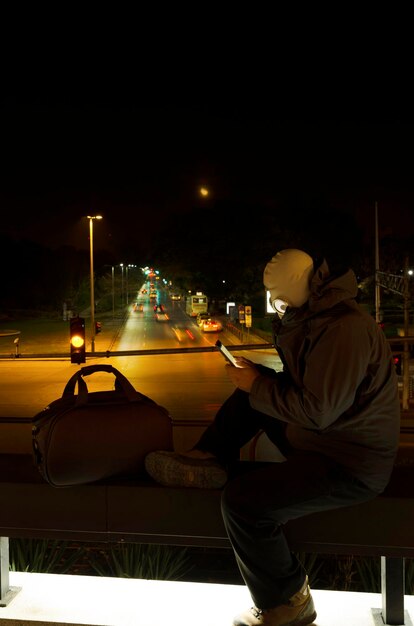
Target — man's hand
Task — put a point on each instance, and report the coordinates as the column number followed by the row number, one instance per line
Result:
column 243, row 375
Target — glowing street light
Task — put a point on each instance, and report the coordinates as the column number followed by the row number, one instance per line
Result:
column 121, row 265
column 93, row 330
column 113, row 292
column 130, row 265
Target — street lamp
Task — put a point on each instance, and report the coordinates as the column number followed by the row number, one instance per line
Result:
column 126, row 282
column 113, row 292
column 121, row 265
column 127, row 289
column 91, row 218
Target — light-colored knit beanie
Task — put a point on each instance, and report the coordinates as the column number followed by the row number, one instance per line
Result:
column 287, row 276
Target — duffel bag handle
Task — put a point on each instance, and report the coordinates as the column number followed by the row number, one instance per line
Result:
column 121, row 384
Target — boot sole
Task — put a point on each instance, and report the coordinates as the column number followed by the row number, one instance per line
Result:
column 174, row 470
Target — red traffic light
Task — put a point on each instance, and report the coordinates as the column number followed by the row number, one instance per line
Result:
column 98, row 327
column 398, row 363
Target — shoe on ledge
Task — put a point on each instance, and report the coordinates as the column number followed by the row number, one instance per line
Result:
column 299, row 611
column 173, row 469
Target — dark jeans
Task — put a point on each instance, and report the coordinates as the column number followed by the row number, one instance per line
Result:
column 260, row 497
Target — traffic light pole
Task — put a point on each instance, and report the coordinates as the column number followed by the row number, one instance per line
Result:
column 92, row 286
column 406, row 356
column 399, row 285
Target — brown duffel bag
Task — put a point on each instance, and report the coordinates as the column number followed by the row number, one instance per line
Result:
column 87, row 437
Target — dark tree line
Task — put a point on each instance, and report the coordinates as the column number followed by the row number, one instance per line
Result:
column 233, row 244
column 219, row 248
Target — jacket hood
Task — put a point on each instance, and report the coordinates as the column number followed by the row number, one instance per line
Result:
column 328, row 289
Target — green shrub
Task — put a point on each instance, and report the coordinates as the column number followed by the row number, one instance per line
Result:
column 131, row 560
column 42, row 556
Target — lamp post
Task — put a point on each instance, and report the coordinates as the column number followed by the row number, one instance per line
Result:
column 127, row 288
column 113, row 292
column 91, row 218
column 126, row 281
column 121, row 265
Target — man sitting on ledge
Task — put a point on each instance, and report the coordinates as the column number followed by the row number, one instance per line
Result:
column 333, row 412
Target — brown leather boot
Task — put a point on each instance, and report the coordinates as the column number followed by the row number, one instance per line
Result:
column 299, row 611
column 172, row 469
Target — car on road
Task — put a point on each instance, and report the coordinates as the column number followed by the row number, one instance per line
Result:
column 161, row 316
column 175, row 296
column 211, row 326
column 201, row 317
column 183, row 334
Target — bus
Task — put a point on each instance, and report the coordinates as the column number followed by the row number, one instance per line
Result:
column 196, row 304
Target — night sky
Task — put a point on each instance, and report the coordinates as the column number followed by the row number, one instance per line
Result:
column 135, row 163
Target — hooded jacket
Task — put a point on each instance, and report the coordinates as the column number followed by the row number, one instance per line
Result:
column 338, row 390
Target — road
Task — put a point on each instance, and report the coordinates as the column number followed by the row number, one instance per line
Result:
column 191, row 386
